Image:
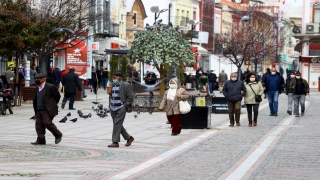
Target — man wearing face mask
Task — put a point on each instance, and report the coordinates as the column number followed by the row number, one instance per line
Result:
column 45, row 105
column 289, row 91
column 234, row 90
column 273, row 84
column 300, row 89
column 121, row 98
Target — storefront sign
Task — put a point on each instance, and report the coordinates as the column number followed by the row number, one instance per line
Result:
column 76, row 55
column 314, row 74
column 219, row 105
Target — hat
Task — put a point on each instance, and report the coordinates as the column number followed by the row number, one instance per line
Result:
column 117, row 74
column 40, row 75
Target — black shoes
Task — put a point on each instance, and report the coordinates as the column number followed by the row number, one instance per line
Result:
column 62, row 105
column 84, row 96
column 72, row 108
column 58, row 139
column 289, row 112
column 38, row 143
column 302, row 113
column 276, row 114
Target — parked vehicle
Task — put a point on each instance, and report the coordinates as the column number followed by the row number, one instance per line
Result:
column 6, row 101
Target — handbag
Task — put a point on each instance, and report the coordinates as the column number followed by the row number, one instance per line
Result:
column 258, row 98
column 184, row 106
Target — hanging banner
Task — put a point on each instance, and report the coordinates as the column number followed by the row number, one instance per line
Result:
column 76, row 54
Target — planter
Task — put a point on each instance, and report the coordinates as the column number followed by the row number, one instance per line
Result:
column 109, row 88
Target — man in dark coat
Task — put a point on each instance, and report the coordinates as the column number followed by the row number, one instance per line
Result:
column 57, row 74
column 45, row 105
column 212, row 81
column 273, row 84
column 70, row 81
column 234, row 90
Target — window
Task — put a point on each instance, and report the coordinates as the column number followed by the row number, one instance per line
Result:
column 194, row 15
column 316, row 15
column 134, row 18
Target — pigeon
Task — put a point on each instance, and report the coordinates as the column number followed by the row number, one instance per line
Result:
column 135, row 115
column 138, row 110
column 85, row 116
column 102, row 115
column 69, row 114
column 79, row 112
column 80, row 115
column 147, row 25
column 106, row 110
column 63, row 120
column 93, row 107
column 150, row 111
column 33, row 117
column 95, row 102
column 89, row 115
column 170, row 24
column 144, row 110
column 177, row 28
column 74, row 120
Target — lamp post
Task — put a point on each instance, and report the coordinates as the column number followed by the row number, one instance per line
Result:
column 155, row 10
column 193, row 26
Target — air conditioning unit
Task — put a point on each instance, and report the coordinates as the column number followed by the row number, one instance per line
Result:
column 312, row 28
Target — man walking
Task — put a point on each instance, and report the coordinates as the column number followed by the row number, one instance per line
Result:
column 121, row 98
column 289, row 92
column 300, row 89
column 70, row 81
column 273, row 84
column 45, row 105
column 212, row 82
column 234, row 90
column 57, row 74
column 223, row 78
column 105, row 76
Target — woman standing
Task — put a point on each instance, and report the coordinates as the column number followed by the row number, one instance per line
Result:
column 253, row 87
column 33, row 73
column 170, row 102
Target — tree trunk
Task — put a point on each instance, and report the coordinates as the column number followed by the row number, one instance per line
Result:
column 255, row 67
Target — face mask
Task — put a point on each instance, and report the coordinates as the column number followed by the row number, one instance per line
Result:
column 20, row 66
column 115, row 81
column 298, row 77
column 38, row 82
column 173, row 86
column 233, row 79
column 252, row 79
column 292, row 76
column 273, row 73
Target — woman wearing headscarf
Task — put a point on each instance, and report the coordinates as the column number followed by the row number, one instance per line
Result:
column 253, row 87
column 170, row 102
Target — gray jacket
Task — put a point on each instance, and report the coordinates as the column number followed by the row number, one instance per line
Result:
column 223, row 77
column 232, row 90
column 125, row 93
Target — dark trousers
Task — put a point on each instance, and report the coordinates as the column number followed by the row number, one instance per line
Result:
column 234, row 108
column 255, row 108
column 118, row 118
column 43, row 122
column 57, row 84
column 71, row 96
column 175, row 122
column 212, row 86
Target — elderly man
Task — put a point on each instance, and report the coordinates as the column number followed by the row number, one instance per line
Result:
column 234, row 90
column 45, row 105
column 273, row 84
column 70, row 81
column 223, row 78
column 121, row 98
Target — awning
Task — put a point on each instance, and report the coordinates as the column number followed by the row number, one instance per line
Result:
column 201, row 50
column 117, row 51
column 312, row 46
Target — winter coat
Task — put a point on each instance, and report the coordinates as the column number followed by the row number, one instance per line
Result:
column 265, row 82
column 306, row 85
column 288, row 88
column 51, row 99
column 249, row 98
column 71, row 81
column 232, row 90
column 172, row 107
column 223, row 77
column 212, row 77
column 33, row 73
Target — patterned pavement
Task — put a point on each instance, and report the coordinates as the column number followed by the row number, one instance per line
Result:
column 282, row 147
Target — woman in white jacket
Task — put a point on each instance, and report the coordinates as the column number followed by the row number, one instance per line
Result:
column 253, row 87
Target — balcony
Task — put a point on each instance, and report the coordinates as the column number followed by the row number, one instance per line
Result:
column 108, row 31
column 181, row 21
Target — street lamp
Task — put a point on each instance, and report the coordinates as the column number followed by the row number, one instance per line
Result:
column 193, row 26
column 155, row 10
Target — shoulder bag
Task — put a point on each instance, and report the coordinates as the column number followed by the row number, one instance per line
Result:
column 256, row 97
column 184, row 106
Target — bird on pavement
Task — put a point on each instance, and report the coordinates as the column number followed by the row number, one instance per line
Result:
column 150, row 111
column 95, row 102
column 63, row 120
column 33, row 117
column 106, row 110
column 89, row 115
column 74, row 120
column 101, row 115
column 79, row 112
column 138, row 110
column 144, row 110
column 135, row 115
column 84, row 116
column 69, row 114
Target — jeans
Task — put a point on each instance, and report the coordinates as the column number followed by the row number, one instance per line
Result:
column 290, row 101
column 299, row 99
column 273, row 101
column 255, row 108
column 104, row 83
column 71, row 96
column 212, row 86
